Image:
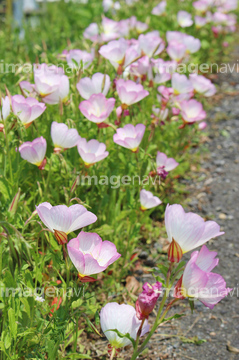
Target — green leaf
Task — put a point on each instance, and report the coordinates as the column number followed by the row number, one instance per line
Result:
column 12, row 323
column 7, row 340
column 123, row 335
column 175, row 316
column 92, row 325
column 4, row 189
column 26, row 306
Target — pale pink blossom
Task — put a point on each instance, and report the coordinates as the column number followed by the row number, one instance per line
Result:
column 176, row 50
column 92, row 33
column 122, row 318
column 148, row 200
column 111, row 29
column 91, row 151
column 150, row 44
column 165, row 164
column 192, row 111
column 200, row 21
column 81, row 57
column 62, row 219
column 202, row 85
column 192, row 44
column 201, row 5
column 199, row 283
column 189, row 230
column 141, row 27
column 99, row 83
column 62, row 137
column 184, row 19
column 97, row 108
column 160, row 8
column 27, row 89
column 34, row 152
column 129, row 92
column 181, row 84
column 27, row 109
column 202, row 125
column 51, row 84
column 129, row 136
column 90, row 255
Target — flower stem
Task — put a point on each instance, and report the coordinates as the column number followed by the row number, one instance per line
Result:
column 112, row 354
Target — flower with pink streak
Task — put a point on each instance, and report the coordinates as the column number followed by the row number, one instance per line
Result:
column 148, row 200
column 129, row 136
column 200, row 21
column 189, row 230
column 92, row 33
column 51, row 84
column 192, row 111
column 99, row 83
column 184, row 19
column 91, row 151
column 165, row 92
column 181, row 84
column 27, row 109
column 202, row 125
column 62, row 137
column 150, row 44
column 159, row 9
column 62, row 220
column 111, row 29
column 199, row 283
column 141, row 68
column 129, row 92
column 79, row 56
column 147, row 300
column 165, row 164
column 34, row 152
column 90, row 255
column 5, row 108
column 176, row 50
column 202, row 85
column 122, row 318
column 97, row 108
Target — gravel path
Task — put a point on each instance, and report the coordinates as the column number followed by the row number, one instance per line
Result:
column 214, row 194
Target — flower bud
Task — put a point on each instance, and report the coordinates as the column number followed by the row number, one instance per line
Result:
column 147, row 300
column 175, row 252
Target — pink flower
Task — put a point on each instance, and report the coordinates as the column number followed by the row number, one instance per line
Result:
column 147, row 300
column 122, row 318
column 198, row 282
column 151, row 44
column 200, row 21
column 51, row 83
column 27, row 110
column 27, row 89
column 97, row 108
column 111, row 29
column 129, row 92
column 99, row 83
column 165, row 164
column 192, row 111
column 159, row 9
column 90, row 255
column 176, row 50
column 202, row 125
column 118, row 53
column 92, row 33
column 91, row 151
column 189, row 230
column 61, row 220
column 4, row 108
column 34, row 152
column 192, row 44
column 129, row 136
column 181, row 84
column 140, row 27
column 202, row 85
column 148, row 200
column 141, row 68
column 184, row 19
column 79, row 56
column 201, row 5
column 62, row 137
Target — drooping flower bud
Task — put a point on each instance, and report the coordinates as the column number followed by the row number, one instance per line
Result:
column 147, row 300
column 175, row 252
column 14, row 203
